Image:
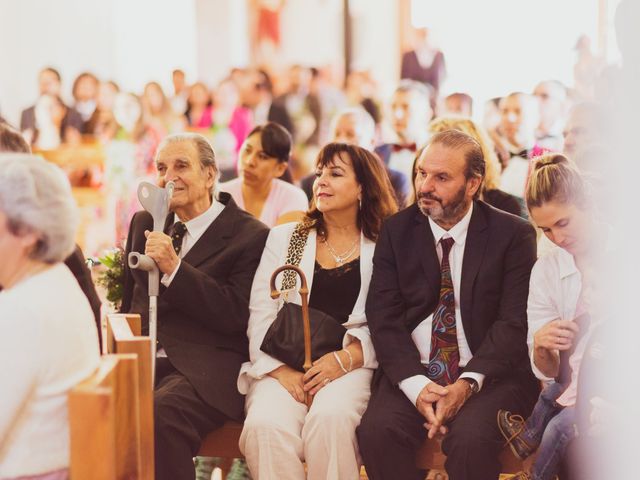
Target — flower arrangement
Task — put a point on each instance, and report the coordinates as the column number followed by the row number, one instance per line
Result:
column 112, row 278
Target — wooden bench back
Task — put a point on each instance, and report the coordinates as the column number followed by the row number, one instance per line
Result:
column 104, row 422
column 123, row 337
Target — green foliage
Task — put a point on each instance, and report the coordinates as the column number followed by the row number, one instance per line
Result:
column 112, row 278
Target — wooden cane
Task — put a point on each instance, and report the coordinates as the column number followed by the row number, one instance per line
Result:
column 304, row 294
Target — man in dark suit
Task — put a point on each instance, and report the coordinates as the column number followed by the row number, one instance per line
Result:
column 450, row 334
column 207, row 267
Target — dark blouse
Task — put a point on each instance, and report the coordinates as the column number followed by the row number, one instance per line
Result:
column 335, row 290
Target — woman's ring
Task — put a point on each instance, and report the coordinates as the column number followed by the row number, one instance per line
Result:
column 326, row 380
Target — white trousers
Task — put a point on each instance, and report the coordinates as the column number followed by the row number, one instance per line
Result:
column 279, row 433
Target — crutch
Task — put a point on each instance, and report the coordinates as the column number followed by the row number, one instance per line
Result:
column 304, row 294
column 155, row 200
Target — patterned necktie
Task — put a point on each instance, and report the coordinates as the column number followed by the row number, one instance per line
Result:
column 179, row 229
column 444, row 356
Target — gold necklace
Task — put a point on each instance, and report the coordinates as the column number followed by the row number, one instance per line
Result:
column 343, row 257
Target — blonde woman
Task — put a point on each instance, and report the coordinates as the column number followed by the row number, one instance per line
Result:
column 559, row 310
column 491, row 192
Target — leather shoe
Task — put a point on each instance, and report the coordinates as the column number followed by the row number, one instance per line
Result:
column 511, row 427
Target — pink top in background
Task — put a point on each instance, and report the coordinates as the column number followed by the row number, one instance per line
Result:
column 283, row 198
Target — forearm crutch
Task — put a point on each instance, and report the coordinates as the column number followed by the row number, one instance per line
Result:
column 155, row 200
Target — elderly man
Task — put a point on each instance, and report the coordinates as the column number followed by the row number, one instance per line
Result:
column 447, row 314
column 207, row 261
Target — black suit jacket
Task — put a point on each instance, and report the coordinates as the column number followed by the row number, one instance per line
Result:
column 500, row 251
column 278, row 113
column 203, row 314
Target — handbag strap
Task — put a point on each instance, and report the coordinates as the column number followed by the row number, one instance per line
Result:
column 297, row 243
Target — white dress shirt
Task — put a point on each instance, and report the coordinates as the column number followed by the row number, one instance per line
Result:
column 421, row 335
column 195, row 229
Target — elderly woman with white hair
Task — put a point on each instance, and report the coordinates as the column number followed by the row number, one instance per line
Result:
column 48, row 339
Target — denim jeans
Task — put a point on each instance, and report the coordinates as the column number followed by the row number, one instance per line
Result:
column 559, row 432
column 544, row 410
column 550, row 427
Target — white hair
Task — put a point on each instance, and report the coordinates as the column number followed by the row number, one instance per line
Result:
column 35, row 195
column 365, row 124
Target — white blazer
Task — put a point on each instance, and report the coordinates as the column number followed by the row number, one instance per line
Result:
column 263, row 309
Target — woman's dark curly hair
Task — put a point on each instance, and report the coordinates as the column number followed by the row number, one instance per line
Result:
column 378, row 200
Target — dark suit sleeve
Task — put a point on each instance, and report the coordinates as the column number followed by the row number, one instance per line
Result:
column 505, row 343
column 76, row 263
column 127, row 289
column 198, row 295
column 397, row 353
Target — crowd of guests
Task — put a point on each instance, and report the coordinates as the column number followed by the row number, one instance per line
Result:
column 414, row 230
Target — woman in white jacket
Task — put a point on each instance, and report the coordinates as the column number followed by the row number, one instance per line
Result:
column 352, row 196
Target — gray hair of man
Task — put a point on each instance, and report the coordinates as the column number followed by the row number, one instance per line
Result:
column 456, row 140
column 365, row 125
column 206, row 155
column 35, row 196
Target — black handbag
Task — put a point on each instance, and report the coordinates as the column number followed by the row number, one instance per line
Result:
column 284, row 339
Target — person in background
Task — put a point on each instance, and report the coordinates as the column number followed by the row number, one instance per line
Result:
column 199, row 110
column 50, row 122
column 560, row 312
column 264, row 158
column 47, row 330
column 157, row 111
column 552, row 97
column 585, row 128
column 355, row 126
column 490, row 192
column 85, row 95
column 259, row 97
column 424, row 63
column 180, row 92
column 519, row 117
column 231, row 123
column 352, row 197
column 410, row 112
column 457, row 104
column 103, row 124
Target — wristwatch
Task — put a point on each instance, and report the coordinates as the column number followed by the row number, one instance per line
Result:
column 473, row 384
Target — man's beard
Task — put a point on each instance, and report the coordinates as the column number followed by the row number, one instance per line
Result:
column 448, row 214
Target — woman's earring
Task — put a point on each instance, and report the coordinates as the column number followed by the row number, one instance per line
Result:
column 360, row 204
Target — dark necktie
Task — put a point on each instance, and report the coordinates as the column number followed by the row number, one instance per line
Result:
column 444, row 356
column 178, row 231
column 397, row 147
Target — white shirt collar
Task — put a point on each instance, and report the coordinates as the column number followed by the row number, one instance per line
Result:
column 197, row 226
column 458, row 232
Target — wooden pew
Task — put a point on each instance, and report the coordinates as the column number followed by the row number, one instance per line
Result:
column 123, row 337
column 103, row 422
